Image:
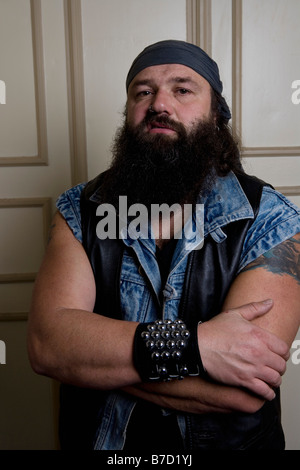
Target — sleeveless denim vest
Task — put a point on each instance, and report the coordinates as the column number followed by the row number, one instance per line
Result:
column 209, row 274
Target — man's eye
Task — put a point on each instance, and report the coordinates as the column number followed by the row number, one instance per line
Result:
column 144, row 93
column 183, row 91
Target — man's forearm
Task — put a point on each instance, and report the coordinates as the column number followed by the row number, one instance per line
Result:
column 195, row 395
column 84, row 349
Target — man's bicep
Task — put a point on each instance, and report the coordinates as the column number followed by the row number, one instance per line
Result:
column 65, row 276
column 283, row 259
column 276, row 275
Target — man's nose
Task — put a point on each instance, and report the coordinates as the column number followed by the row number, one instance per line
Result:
column 162, row 102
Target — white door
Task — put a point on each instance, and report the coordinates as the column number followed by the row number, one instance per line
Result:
column 35, row 166
column 45, row 108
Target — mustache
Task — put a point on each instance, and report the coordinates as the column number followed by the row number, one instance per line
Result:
column 152, row 119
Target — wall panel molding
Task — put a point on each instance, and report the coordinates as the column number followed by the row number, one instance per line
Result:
column 40, row 100
column 289, row 190
column 76, row 95
column 14, row 316
column 237, row 99
column 199, row 31
column 198, row 20
column 43, row 202
column 14, row 278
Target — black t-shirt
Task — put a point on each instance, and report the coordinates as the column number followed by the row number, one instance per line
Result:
column 149, row 428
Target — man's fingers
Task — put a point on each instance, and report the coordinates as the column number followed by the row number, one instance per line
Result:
column 264, row 384
column 254, row 309
column 277, row 345
column 237, row 352
column 262, row 389
column 271, row 377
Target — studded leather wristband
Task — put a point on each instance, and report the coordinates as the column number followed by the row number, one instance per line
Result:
column 166, row 350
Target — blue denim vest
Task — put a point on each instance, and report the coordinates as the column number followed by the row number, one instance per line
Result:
column 102, row 417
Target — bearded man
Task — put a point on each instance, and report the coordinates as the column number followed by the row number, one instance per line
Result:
column 120, row 320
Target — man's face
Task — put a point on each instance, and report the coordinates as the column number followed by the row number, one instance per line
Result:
column 176, row 94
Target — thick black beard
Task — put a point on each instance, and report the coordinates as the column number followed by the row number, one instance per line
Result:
column 157, row 169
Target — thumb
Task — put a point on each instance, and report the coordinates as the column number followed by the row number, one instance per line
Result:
column 254, row 309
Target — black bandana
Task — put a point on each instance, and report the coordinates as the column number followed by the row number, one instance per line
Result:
column 180, row 52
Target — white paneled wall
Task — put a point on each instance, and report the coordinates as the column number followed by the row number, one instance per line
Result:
column 114, row 33
column 63, row 65
column 256, row 44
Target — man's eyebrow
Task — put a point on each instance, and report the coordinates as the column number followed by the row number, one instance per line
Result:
column 187, row 80
column 176, row 79
column 145, row 82
column 184, row 80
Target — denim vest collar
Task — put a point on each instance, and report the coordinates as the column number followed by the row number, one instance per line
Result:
column 225, row 203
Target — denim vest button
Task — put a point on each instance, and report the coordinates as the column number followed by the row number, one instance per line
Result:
column 141, row 270
column 169, row 292
column 218, row 235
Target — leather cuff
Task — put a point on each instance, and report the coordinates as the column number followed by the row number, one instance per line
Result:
column 165, row 350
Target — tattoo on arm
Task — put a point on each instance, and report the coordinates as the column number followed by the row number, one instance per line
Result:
column 50, row 232
column 282, row 259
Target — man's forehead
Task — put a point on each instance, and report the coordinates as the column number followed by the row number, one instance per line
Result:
column 171, row 73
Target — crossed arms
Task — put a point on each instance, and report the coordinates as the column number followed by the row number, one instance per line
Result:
column 244, row 349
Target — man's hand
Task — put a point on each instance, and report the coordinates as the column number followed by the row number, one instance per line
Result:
column 236, row 352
